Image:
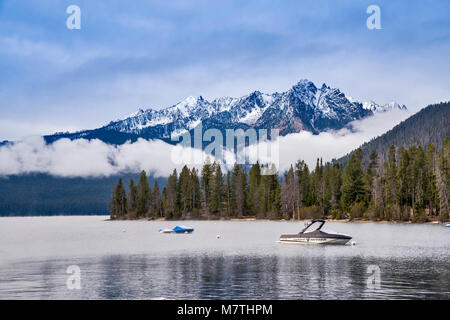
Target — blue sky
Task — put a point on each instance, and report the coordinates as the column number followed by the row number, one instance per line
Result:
column 152, row 54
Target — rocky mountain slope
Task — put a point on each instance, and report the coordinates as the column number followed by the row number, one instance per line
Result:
column 303, row 107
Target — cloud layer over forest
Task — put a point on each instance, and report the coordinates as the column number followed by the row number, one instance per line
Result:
column 83, row 158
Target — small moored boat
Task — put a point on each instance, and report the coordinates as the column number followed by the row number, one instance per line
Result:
column 315, row 237
column 178, row 229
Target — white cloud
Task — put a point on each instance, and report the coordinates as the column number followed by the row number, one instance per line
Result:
column 335, row 144
column 86, row 158
column 95, row 158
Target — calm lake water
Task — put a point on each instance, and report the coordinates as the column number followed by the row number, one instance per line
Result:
column 131, row 260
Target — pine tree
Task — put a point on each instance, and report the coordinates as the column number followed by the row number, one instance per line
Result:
column 184, row 191
column 254, row 179
column 290, row 194
column 118, row 205
column 142, row 195
column 352, row 189
column 302, row 172
column 235, row 174
column 157, row 201
column 196, row 192
column 171, row 194
column 273, row 192
column 404, row 179
column 262, row 195
column 216, row 190
column 431, row 193
column 377, row 197
column 419, row 184
column 206, row 182
column 276, row 194
column 150, row 205
column 166, row 210
column 335, row 186
column 131, row 196
column 370, row 175
column 374, row 187
column 319, row 186
column 239, row 191
column 390, row 184
column 228, row 192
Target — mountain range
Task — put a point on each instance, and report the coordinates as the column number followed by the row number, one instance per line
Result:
column 303, row 107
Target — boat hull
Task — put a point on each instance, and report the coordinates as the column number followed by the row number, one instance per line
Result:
column 166, row 231
column 184, row 231
column 327, row 241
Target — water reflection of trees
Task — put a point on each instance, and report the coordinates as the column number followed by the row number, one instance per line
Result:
column 263, row 277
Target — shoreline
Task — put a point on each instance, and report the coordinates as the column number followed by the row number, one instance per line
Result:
column 284, row 220
column 232, row 219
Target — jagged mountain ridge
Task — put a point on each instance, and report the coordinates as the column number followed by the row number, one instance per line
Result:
column 303, row 107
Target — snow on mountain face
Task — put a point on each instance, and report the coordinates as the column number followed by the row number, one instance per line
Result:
column 303, row 107
column 187, row 114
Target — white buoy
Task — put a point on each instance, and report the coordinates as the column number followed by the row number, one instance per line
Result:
column 124, row 230
column 353, row 243
column 218, row 236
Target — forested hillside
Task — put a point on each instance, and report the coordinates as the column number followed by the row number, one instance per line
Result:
column 429, row 125
column 412, row 185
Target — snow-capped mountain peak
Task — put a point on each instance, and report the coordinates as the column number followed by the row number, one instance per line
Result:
column 187, row 103
column 303, row 107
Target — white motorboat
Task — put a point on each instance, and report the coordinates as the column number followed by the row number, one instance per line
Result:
column 315, row 237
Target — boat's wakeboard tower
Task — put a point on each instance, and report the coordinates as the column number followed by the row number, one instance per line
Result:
column 322, row 222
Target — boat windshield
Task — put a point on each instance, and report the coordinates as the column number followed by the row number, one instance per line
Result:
column 313, row 226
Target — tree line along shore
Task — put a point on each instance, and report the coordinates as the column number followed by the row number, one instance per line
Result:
column 411, row 185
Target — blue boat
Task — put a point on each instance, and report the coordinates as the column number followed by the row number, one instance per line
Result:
column 183, row 229
column 178, row 229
